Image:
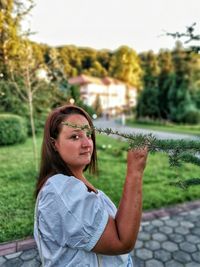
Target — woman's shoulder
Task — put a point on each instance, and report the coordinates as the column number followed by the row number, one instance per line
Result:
column 58, row 183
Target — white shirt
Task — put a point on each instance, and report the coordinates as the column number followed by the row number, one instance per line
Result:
column 71, row 220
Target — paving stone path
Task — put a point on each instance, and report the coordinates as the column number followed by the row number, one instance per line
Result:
column 170, row 241
column 167, row 238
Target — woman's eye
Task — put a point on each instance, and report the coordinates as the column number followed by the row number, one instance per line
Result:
column 75, row 137
column 89, row 135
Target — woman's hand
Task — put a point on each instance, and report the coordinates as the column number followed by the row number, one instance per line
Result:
column 136, row 160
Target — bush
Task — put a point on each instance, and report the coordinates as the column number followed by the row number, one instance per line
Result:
column 13, row 129
column 192, row 116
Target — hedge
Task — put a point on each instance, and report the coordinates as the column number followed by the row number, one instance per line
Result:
column 13, row 129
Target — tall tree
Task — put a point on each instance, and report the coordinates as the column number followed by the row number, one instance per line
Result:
column 179, row 96
column 125, row 66
column 11, row 14
column 147, row 105
column 164, row 82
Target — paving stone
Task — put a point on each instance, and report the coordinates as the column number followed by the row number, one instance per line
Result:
column 171, row 223
column 154, row 263
column 174, row 263
column 193, row 212
column 159, row 237
column 2, row 260
column 165, row 229
column 151, row 228
column 193, row 239
column 164, row 218
column 197, row 210
column 152, row 245
column 162, row 255
column 138, row 244
column 196, row 256
column 188, row 247
column 196, row 231
column 157, row 222
column 197, row 223
column 192, row 264
column 144, row 254
column 177, row 238
column 182, row 230
column 181, row 256
column 31, row 263
column 29, row 254
column 144, row 236
column 138, row 262
column 16, row 262
column 13, row 255
column 187, row 224
column 169, row 246
column 177, row 218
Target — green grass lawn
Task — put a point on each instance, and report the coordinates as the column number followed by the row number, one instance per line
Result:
column 17, row 182
column 168, row 127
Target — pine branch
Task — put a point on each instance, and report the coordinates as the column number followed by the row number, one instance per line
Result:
column 178, row 151
column 187, row 183
column 173, row 147
column 187, row 157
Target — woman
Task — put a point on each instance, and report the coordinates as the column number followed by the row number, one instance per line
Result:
column 76, row 224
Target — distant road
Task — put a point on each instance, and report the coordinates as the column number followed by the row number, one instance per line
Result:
column 111, row 123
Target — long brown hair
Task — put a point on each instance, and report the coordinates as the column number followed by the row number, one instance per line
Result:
column 51, row 162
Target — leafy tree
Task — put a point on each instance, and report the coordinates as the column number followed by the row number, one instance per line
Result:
column 104, row 57
column 11, row 14
column 125, row 66
column 70, row 59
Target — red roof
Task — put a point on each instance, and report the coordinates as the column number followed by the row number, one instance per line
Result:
column 84, row 79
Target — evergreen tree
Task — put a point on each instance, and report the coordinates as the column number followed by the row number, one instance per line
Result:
column 97, row 106
column 164, row 82
column 179, row 97
column 148, row 105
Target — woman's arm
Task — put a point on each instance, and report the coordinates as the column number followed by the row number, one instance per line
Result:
column 120, row 233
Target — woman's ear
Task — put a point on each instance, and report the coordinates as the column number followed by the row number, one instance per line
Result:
column 53, row 142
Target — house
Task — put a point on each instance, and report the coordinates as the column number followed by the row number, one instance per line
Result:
column 114, row 95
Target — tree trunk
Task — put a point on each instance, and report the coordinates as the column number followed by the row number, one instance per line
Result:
column 30, row 102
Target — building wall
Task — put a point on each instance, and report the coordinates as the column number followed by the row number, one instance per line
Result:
column 114, row 95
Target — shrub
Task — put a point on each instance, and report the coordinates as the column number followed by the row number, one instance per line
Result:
column 192, row 117
column 13, row 129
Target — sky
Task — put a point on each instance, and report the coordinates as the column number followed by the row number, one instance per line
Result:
column 109, row 24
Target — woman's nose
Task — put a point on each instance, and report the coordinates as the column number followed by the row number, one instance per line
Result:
column 86, row 142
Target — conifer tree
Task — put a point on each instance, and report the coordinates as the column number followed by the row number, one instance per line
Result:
column 148, row 105
column 179, row 97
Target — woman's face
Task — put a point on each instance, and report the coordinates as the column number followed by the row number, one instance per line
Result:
column 75, row 145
